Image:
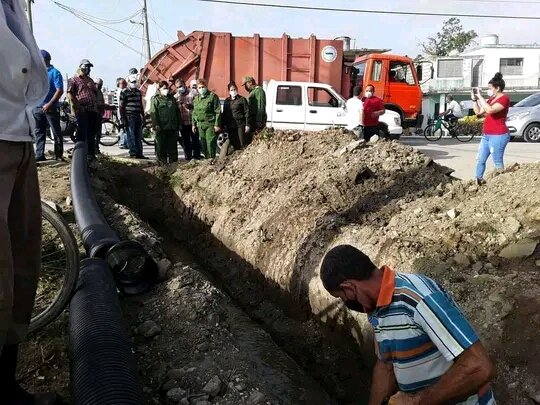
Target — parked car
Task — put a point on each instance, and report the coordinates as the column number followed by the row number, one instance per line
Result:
column 314, row 107
column 524, row 119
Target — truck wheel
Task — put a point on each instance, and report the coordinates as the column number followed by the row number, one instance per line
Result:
column 532, row 133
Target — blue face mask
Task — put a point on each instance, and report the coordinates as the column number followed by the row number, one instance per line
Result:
column 182, row 90
column 203, row 91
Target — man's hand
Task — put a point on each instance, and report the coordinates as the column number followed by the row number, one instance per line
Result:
column 217, row 129
column 247, row 129
column 402, row 398
column 46, row 107
column 193, row 128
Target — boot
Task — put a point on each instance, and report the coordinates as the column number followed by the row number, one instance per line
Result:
column 13, row 393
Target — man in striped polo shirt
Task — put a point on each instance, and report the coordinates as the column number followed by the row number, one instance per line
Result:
column 427, row 352
column 132, row 113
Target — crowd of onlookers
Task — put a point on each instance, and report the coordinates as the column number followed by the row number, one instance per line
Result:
column 190, row 115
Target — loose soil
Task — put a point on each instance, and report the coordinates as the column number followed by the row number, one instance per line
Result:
column 240, row 316
column 261, row 221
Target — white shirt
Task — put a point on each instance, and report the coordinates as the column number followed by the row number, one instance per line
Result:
column 455, row 108
column 23, row 76
column 354, row 107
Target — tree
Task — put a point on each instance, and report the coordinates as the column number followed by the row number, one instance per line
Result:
column 451, row 38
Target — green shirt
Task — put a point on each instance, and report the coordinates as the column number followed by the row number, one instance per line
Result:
column 257, row 107
column 207, row 110
column 164, row 112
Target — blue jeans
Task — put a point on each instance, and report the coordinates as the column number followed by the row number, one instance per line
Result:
column 50, row 119
column 493, row 145
column 123, row 138
column 134, row 135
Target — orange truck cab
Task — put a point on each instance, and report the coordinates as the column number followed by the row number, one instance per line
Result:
column 395, row 81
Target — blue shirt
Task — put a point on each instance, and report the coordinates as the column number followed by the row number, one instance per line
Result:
column 55, row 82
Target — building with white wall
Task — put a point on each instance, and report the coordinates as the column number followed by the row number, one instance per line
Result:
column 455, row 75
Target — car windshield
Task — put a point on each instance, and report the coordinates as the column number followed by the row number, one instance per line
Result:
column 531, row 101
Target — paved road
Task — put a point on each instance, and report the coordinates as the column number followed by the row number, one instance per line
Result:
column 462, row 156
column 448, row 152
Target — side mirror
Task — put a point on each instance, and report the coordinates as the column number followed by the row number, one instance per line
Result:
column 342, row 104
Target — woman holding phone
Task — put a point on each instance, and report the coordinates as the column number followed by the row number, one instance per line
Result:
column 495, row 135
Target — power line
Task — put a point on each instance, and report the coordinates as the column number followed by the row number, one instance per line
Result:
column 77, row 14
column 94, row 19
column 363, row 11
column 98, row 29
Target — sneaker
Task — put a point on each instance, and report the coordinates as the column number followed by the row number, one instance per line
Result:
column 480, row 181
column 41, row 159
column 141, row 157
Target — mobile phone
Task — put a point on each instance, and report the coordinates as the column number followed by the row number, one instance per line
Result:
column 475, row 90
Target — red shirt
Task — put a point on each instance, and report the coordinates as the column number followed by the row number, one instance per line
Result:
column 495, row 124
column 84, row 90
column 371, row 105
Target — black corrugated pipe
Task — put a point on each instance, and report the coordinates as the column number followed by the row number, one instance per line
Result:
column 97, row 235
column 134, row 270
column 102, row 365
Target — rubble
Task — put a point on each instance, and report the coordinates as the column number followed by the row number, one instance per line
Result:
column 522, row 249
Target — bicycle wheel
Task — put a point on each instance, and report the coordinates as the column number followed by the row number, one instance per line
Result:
column 149, row 136
column 110, row 134
column 432, row 133
column 59, row 269
column 463, row 136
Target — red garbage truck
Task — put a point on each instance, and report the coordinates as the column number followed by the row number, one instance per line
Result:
column 221, row 57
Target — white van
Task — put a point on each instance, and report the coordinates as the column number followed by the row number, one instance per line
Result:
column 314, row 107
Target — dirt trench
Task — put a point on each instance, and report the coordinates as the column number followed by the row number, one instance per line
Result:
column 262, row 220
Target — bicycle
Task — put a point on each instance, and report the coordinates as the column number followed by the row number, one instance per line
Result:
column 435, row 130
column 59, row 269
column 110, row 127
column 149, row 135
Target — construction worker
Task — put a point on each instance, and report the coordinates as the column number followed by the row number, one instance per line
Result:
column 427, row 351
column 166, row 121
column 24, row 86
column 206, row 118
column 257, row 104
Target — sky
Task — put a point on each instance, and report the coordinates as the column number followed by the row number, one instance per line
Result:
column 69, row 39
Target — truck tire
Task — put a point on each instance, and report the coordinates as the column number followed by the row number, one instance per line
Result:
column 532, row 133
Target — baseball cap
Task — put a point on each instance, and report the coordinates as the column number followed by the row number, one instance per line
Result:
column 45, row 54
column 85, row 62
column 133, row 71
column 248, row 79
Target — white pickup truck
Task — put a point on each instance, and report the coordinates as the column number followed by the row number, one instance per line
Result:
column 314, row 107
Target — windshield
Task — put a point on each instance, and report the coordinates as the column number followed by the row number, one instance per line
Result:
column 531, row 101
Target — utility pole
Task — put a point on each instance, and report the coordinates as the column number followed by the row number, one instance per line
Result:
column 146, row 31
column 29, row 14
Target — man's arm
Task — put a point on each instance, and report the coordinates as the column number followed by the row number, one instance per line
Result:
column 383, row 383
column 439, row 316
column 217, row 111
column 59, row 85
column 472, row 370
column 260, row 98
column 72, row 90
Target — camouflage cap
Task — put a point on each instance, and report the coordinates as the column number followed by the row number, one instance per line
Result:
column 248, row 79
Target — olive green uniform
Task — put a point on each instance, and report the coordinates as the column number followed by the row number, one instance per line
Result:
column 165, row 114
column 206, row 116
column 257, row 108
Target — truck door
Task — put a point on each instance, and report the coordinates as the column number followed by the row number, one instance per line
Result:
column 324, row 109
column 288, row 111
column 402, row 88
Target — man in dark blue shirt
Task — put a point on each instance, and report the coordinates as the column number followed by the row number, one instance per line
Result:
column 48, row 113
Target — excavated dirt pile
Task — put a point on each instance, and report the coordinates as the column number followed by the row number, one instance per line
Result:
column 278, row 206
